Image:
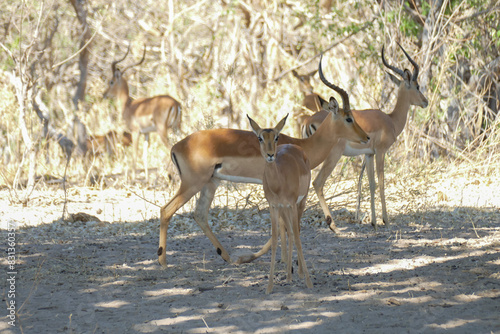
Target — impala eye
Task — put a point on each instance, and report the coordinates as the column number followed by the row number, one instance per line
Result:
column 348, row 120
column 260, row 139
column 276, row 138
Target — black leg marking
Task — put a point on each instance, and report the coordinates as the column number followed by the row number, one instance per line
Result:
column 174, row 159
column 331, row 224
column 160, row 251
column 219, row 251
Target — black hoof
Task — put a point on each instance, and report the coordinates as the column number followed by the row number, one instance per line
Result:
column 331, row 224
column 329, row 220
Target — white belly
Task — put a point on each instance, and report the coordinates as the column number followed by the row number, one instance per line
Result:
column 355, row 151
column 237, row 179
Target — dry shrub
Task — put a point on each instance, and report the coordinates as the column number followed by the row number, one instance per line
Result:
column 225, row 59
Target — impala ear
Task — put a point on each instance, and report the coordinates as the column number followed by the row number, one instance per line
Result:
column 281, row 124
column 407, row 78
column 255, row 127
column 333, row 105
column 396, row 81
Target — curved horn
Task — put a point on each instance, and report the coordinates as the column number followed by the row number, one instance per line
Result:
column 415, row 66
column 395, row 69
column 139, row 63
column 113, row 64
column 343, row 93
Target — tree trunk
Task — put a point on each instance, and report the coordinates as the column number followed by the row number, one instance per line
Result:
column 81, row 131
column 29, row 154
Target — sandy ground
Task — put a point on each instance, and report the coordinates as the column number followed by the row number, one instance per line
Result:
column 435, row 268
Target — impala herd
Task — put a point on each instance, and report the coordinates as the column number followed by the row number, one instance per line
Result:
column 282, row 164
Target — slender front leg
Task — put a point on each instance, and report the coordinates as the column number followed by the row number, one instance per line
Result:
column 274, row 240
column 283, row 239
column 360, row 181
column 287, row 220
column 201, row 216
column 319, row 182
column 300, row 210
column 380, row 157
column 298, row 245
column 371, row 179
column 145, row 155
column 135, row 149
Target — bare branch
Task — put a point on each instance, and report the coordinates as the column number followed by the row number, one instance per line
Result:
column 331, row 46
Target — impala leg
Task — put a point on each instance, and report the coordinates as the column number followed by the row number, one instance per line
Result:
column 201, row 216
column 298, row 245
column 183, row 195
column 283, row 239
column 360, row 181
column 250, row 257
column 371, row 179
column 380, row 176
column 287, row 219
column 135, row 150
column 319, row 182
column 274, row 241
column 145, row 155
column 300, row 210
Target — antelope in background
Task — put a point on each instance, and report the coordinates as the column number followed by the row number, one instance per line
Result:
column 206, row 157
column 108, row 143
column 143, row 115
column 286, row 180
column 383, row 130
column 311, row 102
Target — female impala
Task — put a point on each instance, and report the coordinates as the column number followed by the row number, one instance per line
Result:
column 286, row 180
column 311, row 102
column 206, row 157
column 143, row 115
column 383, row 130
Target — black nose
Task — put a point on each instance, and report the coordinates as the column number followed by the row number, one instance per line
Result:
column 367, row 137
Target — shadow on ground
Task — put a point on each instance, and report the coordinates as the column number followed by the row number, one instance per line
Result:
column 435, row 271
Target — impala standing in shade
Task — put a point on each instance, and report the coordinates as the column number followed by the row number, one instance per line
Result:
column 286, row 180
column 311, row 102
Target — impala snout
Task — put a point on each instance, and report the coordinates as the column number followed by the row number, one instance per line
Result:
column 366, row 141
column 270, row 157
column 106, row 94
column 424, row 103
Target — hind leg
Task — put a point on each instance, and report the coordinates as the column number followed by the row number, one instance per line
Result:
column 166, row 212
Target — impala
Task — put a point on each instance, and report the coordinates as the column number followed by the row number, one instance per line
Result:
column 383, row 130
column 311, row 102
column 286, row 180
column 100, row 144
column 206, row 157
column 144, row 115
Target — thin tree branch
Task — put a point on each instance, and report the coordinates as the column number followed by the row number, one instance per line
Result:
column 331, row 46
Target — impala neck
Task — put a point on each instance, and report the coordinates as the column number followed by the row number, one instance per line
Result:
column 400, row 112
column 318, row 146
column 123, row 96
column 272, row 172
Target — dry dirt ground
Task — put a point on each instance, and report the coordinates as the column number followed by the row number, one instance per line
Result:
column 435, row 268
